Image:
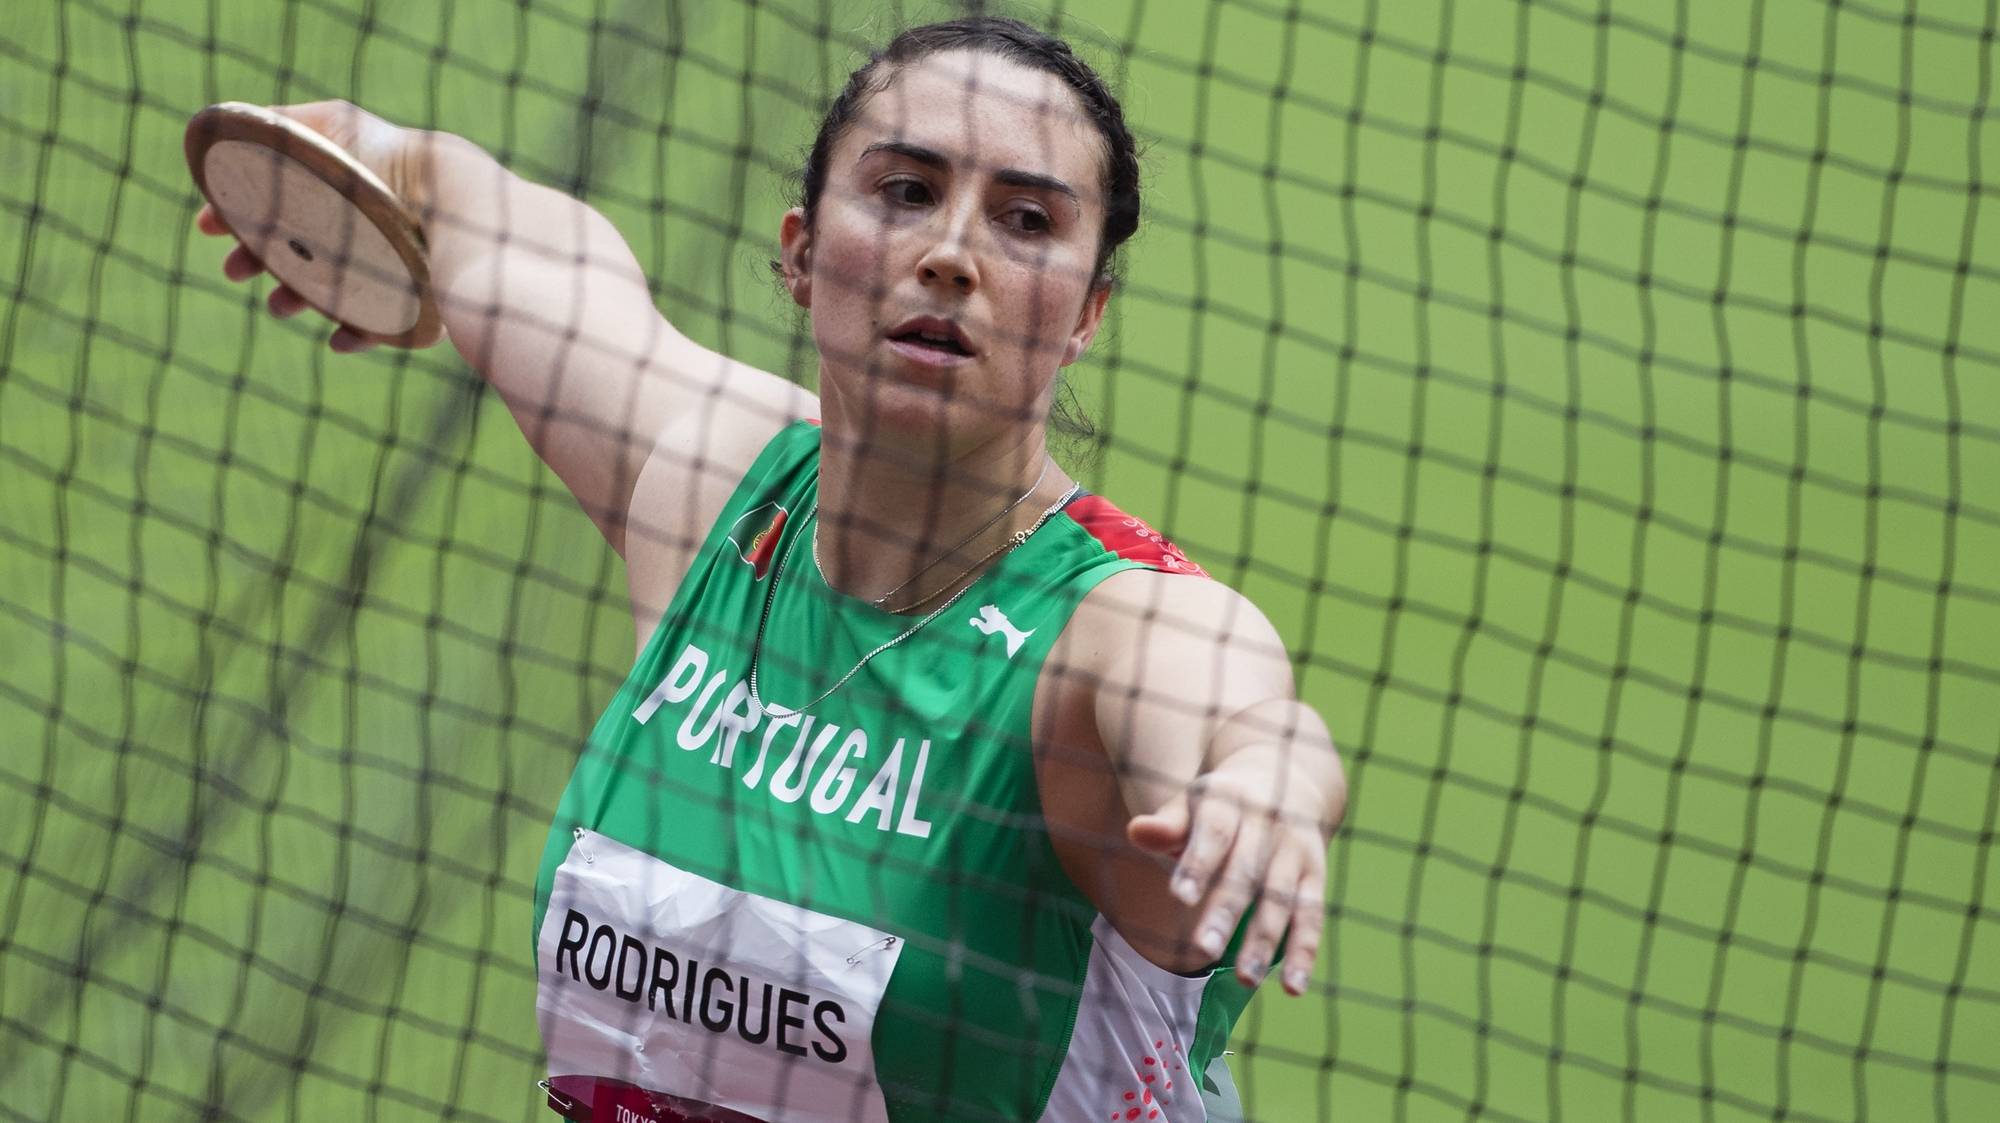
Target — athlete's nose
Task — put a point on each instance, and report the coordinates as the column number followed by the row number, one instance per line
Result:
column 948, row 259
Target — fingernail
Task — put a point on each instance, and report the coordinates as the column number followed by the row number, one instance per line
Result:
column 1295, row 981
column 1185, row 888
column 1253, row 968
column 1210, row 941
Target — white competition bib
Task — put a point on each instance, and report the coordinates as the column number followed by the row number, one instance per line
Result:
column 661, row 978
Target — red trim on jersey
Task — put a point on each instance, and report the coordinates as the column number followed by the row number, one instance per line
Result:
column 1128, row 536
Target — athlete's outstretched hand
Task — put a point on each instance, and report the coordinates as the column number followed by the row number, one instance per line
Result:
column 1251, row 831
column 398, row 155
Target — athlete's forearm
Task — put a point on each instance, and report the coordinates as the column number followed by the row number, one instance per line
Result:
column 543, row 298
column 504, row 248
column 1287, row 741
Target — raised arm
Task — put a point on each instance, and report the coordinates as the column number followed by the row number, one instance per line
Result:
column 544, row 299
column 1227, row 780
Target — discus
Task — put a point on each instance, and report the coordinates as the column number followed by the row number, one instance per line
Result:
column 323, row 224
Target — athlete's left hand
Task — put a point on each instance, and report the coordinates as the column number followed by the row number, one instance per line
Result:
column 1252, row 830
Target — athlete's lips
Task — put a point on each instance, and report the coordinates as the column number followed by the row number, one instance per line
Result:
column 910, row 331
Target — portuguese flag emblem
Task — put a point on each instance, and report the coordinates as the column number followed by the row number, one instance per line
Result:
column 755, row 536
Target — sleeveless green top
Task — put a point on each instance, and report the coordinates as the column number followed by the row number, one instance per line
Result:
column 854, row 913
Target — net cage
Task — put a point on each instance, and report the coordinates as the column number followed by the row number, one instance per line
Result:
column 1603, row 400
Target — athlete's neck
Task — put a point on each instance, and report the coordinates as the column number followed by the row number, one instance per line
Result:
column 892, row 516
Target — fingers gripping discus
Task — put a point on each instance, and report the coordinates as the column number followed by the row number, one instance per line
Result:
column 323, row 224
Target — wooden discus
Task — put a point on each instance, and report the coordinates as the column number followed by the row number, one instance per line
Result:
column 319, row 220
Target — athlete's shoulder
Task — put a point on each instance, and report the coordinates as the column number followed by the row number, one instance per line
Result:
column 1152, row 608
column 1128, row 536
column 797, row 439
column 1148, row 639
column 684, row 500
column 788, row 456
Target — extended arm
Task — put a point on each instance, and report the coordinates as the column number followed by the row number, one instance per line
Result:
column 1226, row 771
column 544, row 299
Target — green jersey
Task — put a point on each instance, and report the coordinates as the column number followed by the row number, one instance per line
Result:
column 852, row 912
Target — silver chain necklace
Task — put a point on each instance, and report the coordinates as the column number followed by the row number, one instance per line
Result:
column 771, row 595
column 882, row 600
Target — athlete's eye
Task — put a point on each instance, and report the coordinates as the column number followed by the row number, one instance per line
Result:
column 1032, row 220
column 907, row 191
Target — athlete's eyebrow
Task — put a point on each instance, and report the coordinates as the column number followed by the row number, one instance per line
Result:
column 1012, row 177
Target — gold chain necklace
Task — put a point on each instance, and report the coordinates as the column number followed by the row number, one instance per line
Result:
column 883, row 600
column 771, row 595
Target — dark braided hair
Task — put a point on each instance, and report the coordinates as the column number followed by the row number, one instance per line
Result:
column 1022, row 43
column 1019, row 42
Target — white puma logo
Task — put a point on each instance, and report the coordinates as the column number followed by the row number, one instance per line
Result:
column 992, row 621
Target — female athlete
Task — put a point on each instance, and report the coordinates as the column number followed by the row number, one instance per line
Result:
column 940, row 789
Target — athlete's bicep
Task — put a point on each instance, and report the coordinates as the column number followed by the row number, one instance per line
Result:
column 1173, row 657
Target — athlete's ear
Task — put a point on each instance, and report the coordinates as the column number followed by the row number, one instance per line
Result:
column 795, row 242
column 1087, row 322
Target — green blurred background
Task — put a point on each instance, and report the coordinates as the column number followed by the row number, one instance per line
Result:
column 1604, row 401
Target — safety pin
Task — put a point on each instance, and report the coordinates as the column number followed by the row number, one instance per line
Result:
column 557, row 1100
column 882, row 944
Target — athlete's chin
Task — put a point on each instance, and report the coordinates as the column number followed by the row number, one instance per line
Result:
column 928, row 425
column 918, row 413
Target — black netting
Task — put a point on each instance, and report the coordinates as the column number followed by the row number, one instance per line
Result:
column 1603, row 402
